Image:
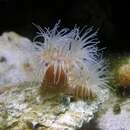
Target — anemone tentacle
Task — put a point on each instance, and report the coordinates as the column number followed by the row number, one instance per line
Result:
column 73, row 55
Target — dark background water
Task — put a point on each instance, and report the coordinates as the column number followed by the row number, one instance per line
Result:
column 112, row 17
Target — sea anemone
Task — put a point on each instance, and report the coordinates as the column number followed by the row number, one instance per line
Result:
column 124, row 75
column 70, row 60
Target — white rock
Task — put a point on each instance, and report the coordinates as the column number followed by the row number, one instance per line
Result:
column 16, row 64
column 112, row 121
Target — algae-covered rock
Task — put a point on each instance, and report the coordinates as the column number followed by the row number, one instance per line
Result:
column 23, row 108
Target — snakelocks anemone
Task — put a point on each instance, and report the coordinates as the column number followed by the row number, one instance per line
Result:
column 70, row 61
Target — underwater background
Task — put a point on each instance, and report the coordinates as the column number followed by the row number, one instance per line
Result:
column 110, row 17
